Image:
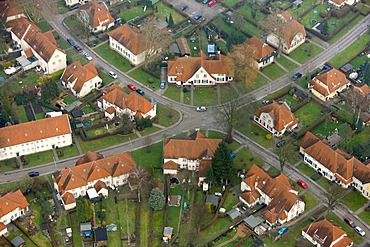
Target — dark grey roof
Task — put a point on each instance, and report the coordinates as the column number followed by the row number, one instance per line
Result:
column 213, row 199
column 234, row 213
column 252, row 221
column 100, row 234
column 17, row 241
column 167, row 230
column 346, row 68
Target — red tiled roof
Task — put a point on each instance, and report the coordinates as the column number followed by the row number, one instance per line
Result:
column 9, row 8
column 250, row 196
column 170, row 165
column 98, row 13
column 68, row 198
column 204, row 166
column 88, row 157
column 110, row 110
column 328, row 82
column 2, row 226
column 100, row 185
column 12, row 201
column 35, row 130
column 261, row 48
column 362, row 88
column 338, row 2
column 130, row 37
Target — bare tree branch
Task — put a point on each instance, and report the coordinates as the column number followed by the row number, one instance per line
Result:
column 31, row 8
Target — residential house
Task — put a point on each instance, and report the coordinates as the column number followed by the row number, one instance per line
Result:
column 325, row 233
column 38, row 48
column 115, row 102
column 335, row 165
column 107, row 172
column 89, row 157
column 74, row 2
column 341, row 3
column 81, row 79
column 12, row 206
column 34, row 137
column 328, row 84
column 190, row 152
column 95, row 15
column 283, row 203
column 293, row 34
column 129, row 42
column 363, row 88
column 276, row 118
column 199, row 71
column 9, row 11
column 264, row 54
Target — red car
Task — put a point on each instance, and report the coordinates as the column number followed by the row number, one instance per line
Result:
column 211, row 3
column 132, row 87
column 302, row 184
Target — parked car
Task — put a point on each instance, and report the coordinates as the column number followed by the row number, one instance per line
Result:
column 197, row 17
column 211, row 3
column 283, row 230
column 296, row 76
column 359, row 231
column 71, row 42
column 78, row 48
column 243, row 207
column 162, row 85
column 302, row 183
column 112, row 74
column 183, row 7
column 218, row 194
column 280, row 143
column 349, row 222
column 141, row 92
column 201, row 108
column 75, row 6
column 205, row 1
column 87, row 56
column 265, row 102
column 132, row 87
column 33, row 174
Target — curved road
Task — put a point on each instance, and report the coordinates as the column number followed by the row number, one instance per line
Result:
column 190, row 119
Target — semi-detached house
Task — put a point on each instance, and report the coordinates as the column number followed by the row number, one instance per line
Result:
column 283, row 203
column 12, row 206
column 335, row 165
column 38, row 48
column 103, row 173
column 34, row 137
column 263, row 53
column 95, row 15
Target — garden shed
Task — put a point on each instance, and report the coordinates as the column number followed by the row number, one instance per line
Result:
column 101, row 236
column 18, row 242
column 233, row 214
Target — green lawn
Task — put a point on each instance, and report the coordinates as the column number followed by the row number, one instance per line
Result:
column 365, row 216
column 39, row 158
column 8, row 165
column 323, row 182
column 351, row 51
column 327, row 128
column 305, row 52
column 77, row 240
column 134, row 12
column 62, row 9
column 68, row 152
column 222, row 46
column 15, row 87
column 88, row 109
column 245, row 159
column 228, row 93
column 304, row 6
column 68, row 99
column 144, row 223
column 349, row 230
column 292, row 102
column 143, row 77
column 346, row 29
column 219, row 224
column 246, row 11
column 105, row 142
column 113, row 57
column 363, row 8
column 22, row 114
column 149, row 160
column 230, row 201
column 63, row 44
column 230, row 2
column 173, row 92
column 80, row 58
column 308, row 114
column 273, row 172
column 71, row 52
column 165, row 11
column 359, row 60
column 150, row 130
column 27, row 240
column 205, row 96
column 40, row 115
column 157, row 227
column 166, row 115
column 289, row 65
column 74, row 25
column 273, row 71
column 310, row 200
column 354, row 200
column 44, row 26
column 173, row 217
column 9, row 186
column 303, row 167
column 105, row 77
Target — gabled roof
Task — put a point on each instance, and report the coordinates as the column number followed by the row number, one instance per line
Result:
column 115, row 95
column 309, row 139
column 363, row 89
column 328, row 81
column 88, row 157
column 337, row 2
column 98, row 13
column 325, row 232
column 185, row 67
column 292, row 28
column 35, row 130
column 280, row 113
column 43, row 44
column 192, row 149
column 68, row 198
column 130, row 37
column 80, row 175
column 261, row 48
column 12, row 201
column 79, row 74
column 100, row 185
column 204, row 166
column 170, row 165
column 9, row 8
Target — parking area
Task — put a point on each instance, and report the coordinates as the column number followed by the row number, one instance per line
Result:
column 194, row 8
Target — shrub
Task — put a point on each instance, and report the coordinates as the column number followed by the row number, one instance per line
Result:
column 185, row 90
column 103, row 223
column 150, row 80
column 268, row 137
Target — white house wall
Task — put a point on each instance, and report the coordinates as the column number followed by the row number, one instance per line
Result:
column 94, row 83
column 69, row 206
column 73, row 2
column 13, row 215
column 133, row 59
column 296, row 42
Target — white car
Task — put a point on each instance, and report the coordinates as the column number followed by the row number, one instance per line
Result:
column 112, row 74
column 359, row 231
column 201, row 108
column 87, row 56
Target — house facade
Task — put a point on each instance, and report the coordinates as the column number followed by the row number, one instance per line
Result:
column 325, row 233
column 12, row 206
column 95, row 15
column 335, row 165
column 193, row 153
column 283, row 203
column 276, row 118
column 264, row 54
column 115, row 102
column 34, row 137
column 199, row 71
column 73, row 182
column 293, row 34
column 9, row 11
column 328, row 84
column 129, row 42
column 81, row 79
column 73, row 2
column 341, row 3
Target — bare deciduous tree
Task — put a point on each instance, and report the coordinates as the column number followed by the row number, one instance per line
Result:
column 141, row 180
column 284, row 153
column 359, row 103
column 226, row 118
column 31, row 8
column 157, row 41
column 332, row 197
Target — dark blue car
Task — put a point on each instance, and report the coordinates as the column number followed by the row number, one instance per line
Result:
column 183, row 7
column 297, row 76
column 197, row 17
column 71, row 42
column 33, row 174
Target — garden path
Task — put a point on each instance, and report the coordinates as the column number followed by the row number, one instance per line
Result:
column 291, row 59
column 281, row 66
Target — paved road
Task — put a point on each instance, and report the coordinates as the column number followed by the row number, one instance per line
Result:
column 190, row 119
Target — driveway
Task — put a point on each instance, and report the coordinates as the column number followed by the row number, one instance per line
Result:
column 199, row 8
